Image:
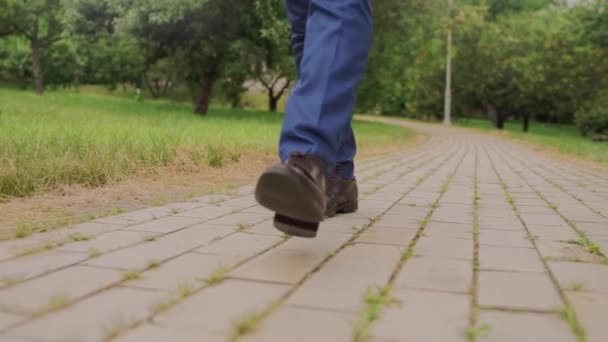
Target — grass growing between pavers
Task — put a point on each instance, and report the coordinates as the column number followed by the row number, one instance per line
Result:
column 475, row 331
column 67, row 138
column 568, row 314
column 94, row 253
column 249, row 322
column 478, row 331
column 564, row 138
column 374, row 303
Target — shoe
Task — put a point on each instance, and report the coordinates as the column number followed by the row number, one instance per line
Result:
column 342, row 196
column 295, row 191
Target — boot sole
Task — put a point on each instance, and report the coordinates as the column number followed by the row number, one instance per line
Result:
column 296, row 228
column 290, row 194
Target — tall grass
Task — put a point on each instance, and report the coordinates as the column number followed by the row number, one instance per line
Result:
column 93, row 139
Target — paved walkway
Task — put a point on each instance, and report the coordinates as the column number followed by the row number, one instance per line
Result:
column 463, row 238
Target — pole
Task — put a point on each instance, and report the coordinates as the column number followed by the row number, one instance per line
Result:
column 447, row 108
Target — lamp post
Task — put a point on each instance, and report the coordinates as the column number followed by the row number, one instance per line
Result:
column 447, row 108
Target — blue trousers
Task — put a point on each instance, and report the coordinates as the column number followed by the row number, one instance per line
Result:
column 330, row 41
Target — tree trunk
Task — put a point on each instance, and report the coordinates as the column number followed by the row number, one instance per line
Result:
column 272, row 101
column 526, row 121
column 37, row 75
column 500, row 121
column 493, row 114
column 201, row 102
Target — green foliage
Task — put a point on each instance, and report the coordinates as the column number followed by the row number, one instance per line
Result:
column 592, row 119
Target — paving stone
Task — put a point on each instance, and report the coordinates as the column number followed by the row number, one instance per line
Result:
column 258, row 209
column 589, row 277
column 593, row 228
column 343, row 282
column 512, row 290
column 341, row 224
column 524, row 327
column 92, row 228
column 9, row 319
column 553, row 233
column 154, row 333
column 36, row 264
column 240, row 202
column 496, row 224
column 294, row 324
column 106, row 242
column 445, row 247
column 543, row 220
column 591, row 312
column 326, row 242
column 219, row 307
column 580, row 213
column 138, row 257
column 280, row 265
column 183, row 206
column 165, row 225
column 531, row 209
column 448, row 230
column 398, row 221
column 423, row 316
column 136, row 217
column 189, row 269
column 505, row 238
column 240, row 245
column 265, row 228
column 209, row 213
column 93, row 318
column 565, row 251
column 212, row 199
column 436, row 274
column 65, row 285
column 509, row 259
column 387, row 236
column 200, row 234
column 241, row 219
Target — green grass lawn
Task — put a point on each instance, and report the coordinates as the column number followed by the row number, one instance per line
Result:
column 564, row 138
column 95, row 139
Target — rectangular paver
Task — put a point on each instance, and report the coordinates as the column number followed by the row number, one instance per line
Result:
column 423, row 316
column 517, row 291
column 524, row 327
column 58, row 287
column 438, row 274
column 92, row 319
column 219, row 308
column 304, row 325
column 343, row 282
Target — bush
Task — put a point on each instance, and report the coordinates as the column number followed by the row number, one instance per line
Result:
column 592, row 119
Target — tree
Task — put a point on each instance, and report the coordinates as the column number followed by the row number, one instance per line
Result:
column 273, row 67
column 201, row 35
column 40, row 22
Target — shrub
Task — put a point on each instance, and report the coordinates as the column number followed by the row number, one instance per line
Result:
column 592, row 119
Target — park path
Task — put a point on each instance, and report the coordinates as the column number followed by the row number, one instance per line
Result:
column 465, row 237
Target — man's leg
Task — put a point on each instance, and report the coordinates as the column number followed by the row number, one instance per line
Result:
column 318, row 114
column 316, row 130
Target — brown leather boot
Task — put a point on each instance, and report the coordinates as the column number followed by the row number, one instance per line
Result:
column 342, row 196
column 295, row 191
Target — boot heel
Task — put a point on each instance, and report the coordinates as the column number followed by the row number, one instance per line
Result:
column 349, row 207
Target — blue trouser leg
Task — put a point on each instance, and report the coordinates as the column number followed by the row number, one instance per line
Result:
column 319, row 111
